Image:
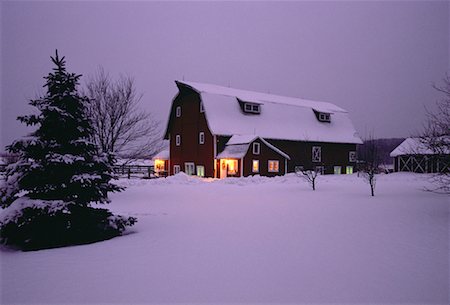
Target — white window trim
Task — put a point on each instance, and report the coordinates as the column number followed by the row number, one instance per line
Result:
column 340, row 169
column 189, row 164
column 177, row 140
column 176, row 169
column 201, row 137
column 178, row 111
column 352, row 156
column 273, row 171
column 197, row 171
column 256, row 148
column 252, row 108
column 253, row 169
column 319, row 154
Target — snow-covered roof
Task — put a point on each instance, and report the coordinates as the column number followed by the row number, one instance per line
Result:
column 281, row 117
column 237, row 146
column 164, row 155
column 413, row 146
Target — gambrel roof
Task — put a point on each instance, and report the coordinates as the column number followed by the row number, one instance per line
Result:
column 280, row 117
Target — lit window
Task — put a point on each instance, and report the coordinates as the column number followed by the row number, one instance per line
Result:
column 273, row 166
column 256, row 148
column 202, row 109
column 159, row 165
column 255, row 166
column 178, row 111
column 316, row 154
column 177, row 140
column 337, row 170
column 349, row 170
column 352, row 156
column 176, row 169
column 200, row 171
column 230, row 166
column 201, row 137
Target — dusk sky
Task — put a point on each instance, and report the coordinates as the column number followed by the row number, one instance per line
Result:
column 378, row 60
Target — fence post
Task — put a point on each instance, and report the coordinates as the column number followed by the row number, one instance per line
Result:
column 129, row 173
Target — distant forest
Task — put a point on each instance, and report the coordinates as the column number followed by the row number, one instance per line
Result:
column 385, row 146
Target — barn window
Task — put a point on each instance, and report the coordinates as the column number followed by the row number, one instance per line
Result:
column 349, row 170
column 316, row 154
column 200, row 171
column 189, row 168
column 201, row 137
column 322, row 116
column 320, row 170
column 177, row 140
column 178, row 111
column 176, row 169
column 202, row 109
column 337, row 170
column 352, row 156
column 256, row 148
column 273, row 166
column 255, row 166
column 252, row 108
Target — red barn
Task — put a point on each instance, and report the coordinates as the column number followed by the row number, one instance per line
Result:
column 220, row 132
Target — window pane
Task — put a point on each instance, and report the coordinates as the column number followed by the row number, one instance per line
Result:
column 349, row 170
column 337, row 170
column 255, row 166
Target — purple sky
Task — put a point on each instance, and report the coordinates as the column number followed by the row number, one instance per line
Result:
column 375, row 59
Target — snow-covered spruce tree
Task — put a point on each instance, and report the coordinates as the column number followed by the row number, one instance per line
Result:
column 47, row 193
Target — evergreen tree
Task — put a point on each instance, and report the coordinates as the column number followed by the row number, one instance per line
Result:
column 58, row 164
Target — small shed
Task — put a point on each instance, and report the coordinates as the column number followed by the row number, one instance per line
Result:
column 412, row 155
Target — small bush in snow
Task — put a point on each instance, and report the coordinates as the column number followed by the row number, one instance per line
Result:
column 309, row 176
column 36, row 224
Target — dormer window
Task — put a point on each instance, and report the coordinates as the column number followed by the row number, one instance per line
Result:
column 252, row 108
column 178, row 111
column 323, row 116
column 202, row 109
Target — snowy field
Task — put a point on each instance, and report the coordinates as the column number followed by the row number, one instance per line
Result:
column 252, row 240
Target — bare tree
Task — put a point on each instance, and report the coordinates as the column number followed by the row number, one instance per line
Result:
column 309, row 176
column 436, row 137
column 370, row 158
column 119, row 125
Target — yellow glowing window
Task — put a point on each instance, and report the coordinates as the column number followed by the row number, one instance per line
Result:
column 255, row 166
column 349, row 170
column 273, row 166
column 230, row 166
column 159, row 165
column 200, row 171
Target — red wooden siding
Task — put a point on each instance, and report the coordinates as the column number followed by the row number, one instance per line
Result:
column 188, row 126
column 264, row 156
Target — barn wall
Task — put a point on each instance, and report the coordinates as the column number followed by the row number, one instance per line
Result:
column 265, row 155
column 191, row 122
column 333, row 154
